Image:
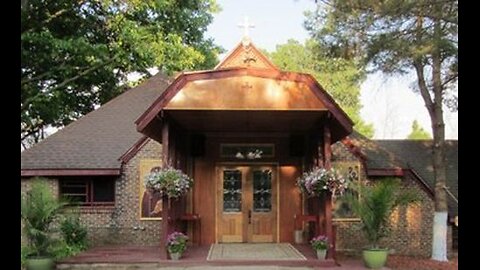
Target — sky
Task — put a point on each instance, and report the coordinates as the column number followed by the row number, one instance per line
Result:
column 388, row 102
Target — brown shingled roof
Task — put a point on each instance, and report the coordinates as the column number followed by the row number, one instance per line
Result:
column 376, row 156
column 100, row 138
column 417, row 154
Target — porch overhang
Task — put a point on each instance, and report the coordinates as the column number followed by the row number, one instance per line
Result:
column 245, row 99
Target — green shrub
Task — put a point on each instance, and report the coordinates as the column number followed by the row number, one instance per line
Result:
column 39, row 208
column 63, row 250
column 25, row 251
column 74, row 233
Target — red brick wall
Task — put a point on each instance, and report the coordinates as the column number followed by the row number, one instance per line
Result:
column 125, row 224
column 411, row 227
column 119, row 224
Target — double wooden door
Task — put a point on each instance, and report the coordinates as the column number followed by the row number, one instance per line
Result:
column 246, row 204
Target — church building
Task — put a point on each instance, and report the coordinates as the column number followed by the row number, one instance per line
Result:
column 244, row 131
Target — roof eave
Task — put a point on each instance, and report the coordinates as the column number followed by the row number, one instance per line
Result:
column 397, row 171
column 70, row 172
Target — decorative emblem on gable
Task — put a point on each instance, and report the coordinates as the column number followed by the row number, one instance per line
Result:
column 246, row 56
column 249, row 57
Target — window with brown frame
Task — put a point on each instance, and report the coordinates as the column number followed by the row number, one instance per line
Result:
column 95, row 191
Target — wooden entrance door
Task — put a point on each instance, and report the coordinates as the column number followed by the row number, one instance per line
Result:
column 246, row 204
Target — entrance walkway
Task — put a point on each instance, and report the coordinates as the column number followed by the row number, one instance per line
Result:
column 352, row 266
column 263, row 251
column 195, row 258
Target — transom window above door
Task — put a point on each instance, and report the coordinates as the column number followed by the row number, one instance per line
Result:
column 247, row 151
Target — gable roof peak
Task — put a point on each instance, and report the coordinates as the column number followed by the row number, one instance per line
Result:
column 246, row 54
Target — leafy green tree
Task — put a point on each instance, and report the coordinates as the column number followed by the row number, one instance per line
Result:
column 75, row 55
column 400, row 36
column 340, row 77
column 418, row 133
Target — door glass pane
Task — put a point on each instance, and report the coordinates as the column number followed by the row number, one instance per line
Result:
column 232, row 191
column 262, row 191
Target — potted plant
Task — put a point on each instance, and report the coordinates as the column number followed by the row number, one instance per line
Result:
column 320, row 245
column 168, row 181
column 374, row 208
column 39, row 209
column 176, row 244
column 319, row 180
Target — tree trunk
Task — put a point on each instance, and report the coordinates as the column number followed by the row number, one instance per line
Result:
column 439, row 243
column 435, row 110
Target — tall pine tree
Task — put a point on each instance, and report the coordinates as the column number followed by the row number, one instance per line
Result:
column 399, row 36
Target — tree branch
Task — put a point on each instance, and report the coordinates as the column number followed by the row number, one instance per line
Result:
column 27, row 80
column 449, row 79
column 423, row 87
column 29, row 133
column 83, row 73
column 67, row 81
column 51, row 16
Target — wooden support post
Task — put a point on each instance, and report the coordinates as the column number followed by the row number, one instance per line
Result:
column 327, row 158
column 327, row 147
column 165, row 206
column 164, row 235
column 319, row 202
column 320, row 155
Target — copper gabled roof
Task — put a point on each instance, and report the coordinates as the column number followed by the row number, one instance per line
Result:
column 246, row 62
column 148, row 122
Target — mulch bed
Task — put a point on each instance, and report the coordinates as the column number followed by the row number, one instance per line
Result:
column 398, row 262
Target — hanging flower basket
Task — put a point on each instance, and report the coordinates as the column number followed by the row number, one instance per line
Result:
column 320, row 180
column 168, row 181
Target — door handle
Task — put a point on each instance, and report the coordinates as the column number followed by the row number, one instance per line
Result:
column 249, row 216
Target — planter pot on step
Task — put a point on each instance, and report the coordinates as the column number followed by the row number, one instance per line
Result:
column 175, row 256
column 41, row 263
column 375, row 258
column 321, row 254
column 298, row 235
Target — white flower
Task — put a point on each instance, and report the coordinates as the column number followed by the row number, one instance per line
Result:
column 168, row 181
column 321, row 179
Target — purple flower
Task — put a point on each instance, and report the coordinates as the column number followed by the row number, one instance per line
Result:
column 319, row 179
column 319, row 242
column 176, row 242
